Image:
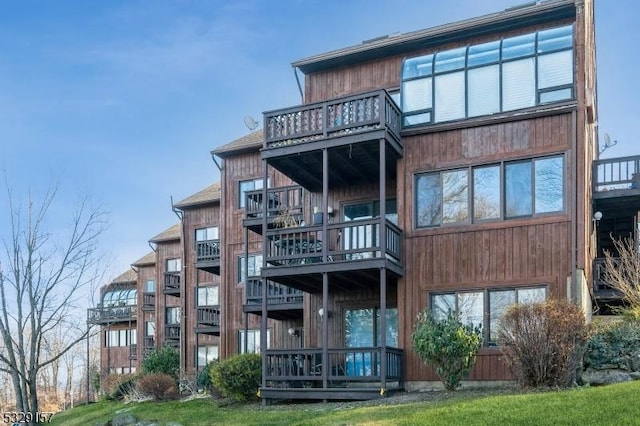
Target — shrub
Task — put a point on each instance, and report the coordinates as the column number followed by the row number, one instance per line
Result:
column 238, row 377
column 116, row 386
column 447, row 344
column 614, row 345
column 165, row 360
column 543, row 343
column 203, row 380
column 160, row 386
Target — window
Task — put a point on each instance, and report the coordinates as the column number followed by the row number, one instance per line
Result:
column 207, row 234
column 501, row 75
column 173, row 315
column 150, row 286
column 149, row 328
column 208, row 296
column 206, row 354
column 118, row 338
column 520, row 188
column 249, row 185
column 254, row 262
column 174, row 265
column 126, row 297
column 471, row 306
column 253, row 341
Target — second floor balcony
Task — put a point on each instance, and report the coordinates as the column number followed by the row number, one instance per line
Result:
column 208, row 320
column 282, row 302
column 351, row 129
column 208, row 256
column 352, row 253
column 281, row 201
column 172, row 283
column 148, row 301
column 111, row 314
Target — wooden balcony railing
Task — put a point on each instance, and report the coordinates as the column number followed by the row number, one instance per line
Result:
column 149, row 342
column 172, row 331
column 111, row 314
column 285, row 198
column 277, row 294
column 148, row 301
column 133, row 351
column 207, row 251
column 616, row 173
column 172, row 282
column 601, row 289
column 304, row 367
column 337, row 117
column 346, row 241
column 208, row 315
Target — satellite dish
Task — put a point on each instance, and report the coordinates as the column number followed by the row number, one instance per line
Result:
column 250, row 122
column 607, row 143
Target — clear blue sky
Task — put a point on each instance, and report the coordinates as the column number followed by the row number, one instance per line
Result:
column 124, row 100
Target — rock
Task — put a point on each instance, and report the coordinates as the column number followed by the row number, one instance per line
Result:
column 124, row 419
column 604, row 377
column 635, row 375
column 634, row 362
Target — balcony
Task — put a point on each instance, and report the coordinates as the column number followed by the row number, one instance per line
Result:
column 148, row 301
column 172, row 283
column 287, row 199
column 602, row 290
column 172, row 334
column 208, row 320
column 616, row 186
column 352, row 129
column 282, row 302
column 351, row 373
column 111, row 314
column 149, row 344
column 133, row 352
column 208, row 256
column 351, row 254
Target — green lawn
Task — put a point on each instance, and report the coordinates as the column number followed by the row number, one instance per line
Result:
column 610, row 405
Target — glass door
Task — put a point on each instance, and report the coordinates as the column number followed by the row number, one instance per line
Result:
column 362, row 333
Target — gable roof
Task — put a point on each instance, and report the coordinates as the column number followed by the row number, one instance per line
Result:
column 520, row 16
column 248, row 143
column 146, row 260
column 169, row 234
column 209, row 195
column 126, row 277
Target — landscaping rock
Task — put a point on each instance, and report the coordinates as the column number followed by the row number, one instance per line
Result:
column 124, row 419
column 634, row 362
column 605, row 377
column 635, row 375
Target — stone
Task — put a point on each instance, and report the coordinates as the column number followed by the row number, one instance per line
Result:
column 604, row 377
column 124, row 419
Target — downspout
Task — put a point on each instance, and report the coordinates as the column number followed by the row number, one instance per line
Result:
column 213, row 157
column 295, row 72
column 183, row 293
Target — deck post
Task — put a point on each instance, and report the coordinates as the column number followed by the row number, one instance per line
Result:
column 383, row 272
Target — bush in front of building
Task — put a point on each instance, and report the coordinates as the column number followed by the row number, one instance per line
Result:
column 543, row 343
column 164, row 360
column 159, row 386
column 447, row 344
column 238, row 377
column 614, row 345
column 116, row 387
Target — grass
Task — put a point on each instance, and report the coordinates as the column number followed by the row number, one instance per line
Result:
column 613, row 404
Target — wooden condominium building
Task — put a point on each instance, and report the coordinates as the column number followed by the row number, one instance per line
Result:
column 451, row 168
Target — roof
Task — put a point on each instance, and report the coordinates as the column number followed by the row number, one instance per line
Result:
column 170, row 234
column 209, row 195
column 147, row 259
column 126, row 277
column 515, row 17
column 248, row 143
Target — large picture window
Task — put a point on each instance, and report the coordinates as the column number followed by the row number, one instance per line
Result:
column 252, row 341
column 471, row 306
column 253, row 262
column 501, row 75
column 208, row 296
column 249, row 185
column 490, row 192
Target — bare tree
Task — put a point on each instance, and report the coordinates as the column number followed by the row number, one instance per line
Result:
column 622, row 271
column 43, row 276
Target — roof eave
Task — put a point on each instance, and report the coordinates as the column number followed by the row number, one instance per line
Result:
column 462, row 30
